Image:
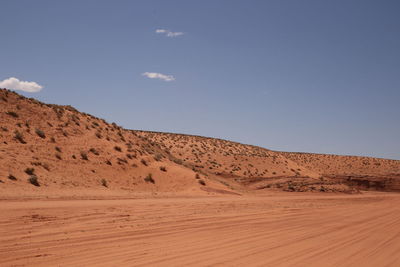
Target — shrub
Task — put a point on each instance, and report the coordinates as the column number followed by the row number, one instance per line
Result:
column 163, row 168
column 33, row 180
column 104, row 182
column 40, row 133
column 58, row 149
column 158, row 157
column 18, row 136
column 197, row 176
column 202, row 182
column 58, row 156
column 30, row 171
column 52, row 139
column 178, row 161
column 12, row 177
column 117, row 148
column 108, row 162
column 12, row 114
column 94, row 151
column 149, row 179
column 143, row 162
column 84, row 156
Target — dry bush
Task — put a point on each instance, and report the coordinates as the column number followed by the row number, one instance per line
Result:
column 40, row 133
column 12, row 114
column 149, row 179
column 34, row 180
column 163, row 168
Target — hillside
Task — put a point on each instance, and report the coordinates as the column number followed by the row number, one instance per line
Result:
column 48, row 150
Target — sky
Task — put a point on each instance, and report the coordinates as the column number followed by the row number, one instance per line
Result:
column 310, row 76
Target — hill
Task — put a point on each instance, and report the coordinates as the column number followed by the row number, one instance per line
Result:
column 53, row 150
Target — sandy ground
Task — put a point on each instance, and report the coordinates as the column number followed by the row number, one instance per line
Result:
column 276, row 230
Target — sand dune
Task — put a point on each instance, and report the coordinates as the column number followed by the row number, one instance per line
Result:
column 275, row 230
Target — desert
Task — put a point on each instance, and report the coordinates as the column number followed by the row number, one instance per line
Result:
column 225, row 133
column 102, row 195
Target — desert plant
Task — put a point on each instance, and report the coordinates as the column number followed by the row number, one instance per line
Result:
column 197, row 176
column 117, row 148
column 40, row 133
column 52, row 139
column 163, row 168
column 12, row 114
column 12, row 177
column 149, row 179
column 84, row 156
column 104, row 182
column 30, row 171
column 58, row 156
column 94, row 151
column 178, row 161
column 108, row 162
column 158, row 157
column 58, row 149
column 202, row 182
column 18, row 136
column 143, row 162
column 34, row 180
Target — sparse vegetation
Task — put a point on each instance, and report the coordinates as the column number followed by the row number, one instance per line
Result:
column 202, row 182
column 163, row 168
column 104, row 182
column 12, row 177
column 197, row 176
column 12, row 114
column 108, row 162
column 34, row 180
column 149, row 179
column 58, row 156
column 117, row 148
column 158, row 157
column 94, row 151
column 58, row 149
column 144, row 162
column 30, row 171
column 40, row 133
column 18, row 136
column 84, row 156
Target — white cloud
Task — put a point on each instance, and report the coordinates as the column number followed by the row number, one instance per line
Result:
column 15, row 84
column 155, row 75
column 168, row 33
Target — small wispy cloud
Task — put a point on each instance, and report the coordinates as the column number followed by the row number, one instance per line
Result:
column 156, row 75
column 169, row 33
column 15, row 84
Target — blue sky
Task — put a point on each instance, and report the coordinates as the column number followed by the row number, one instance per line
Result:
column 312, row 76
